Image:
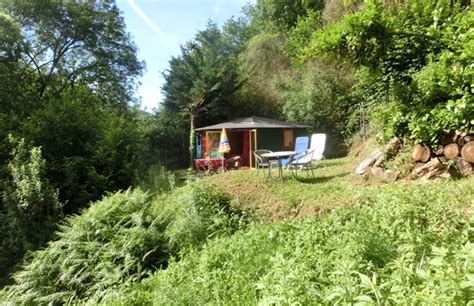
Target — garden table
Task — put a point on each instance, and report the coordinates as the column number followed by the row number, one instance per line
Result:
column 280, row 156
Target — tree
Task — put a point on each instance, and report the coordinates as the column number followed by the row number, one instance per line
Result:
column 75, row 41
column 67, row 69
column 281, row 16
column 201, row 78
column 89, row 149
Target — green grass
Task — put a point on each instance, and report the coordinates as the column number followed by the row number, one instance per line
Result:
column 333, row 186
column 332, row 239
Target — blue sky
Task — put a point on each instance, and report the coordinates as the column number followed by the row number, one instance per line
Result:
column 159, row 27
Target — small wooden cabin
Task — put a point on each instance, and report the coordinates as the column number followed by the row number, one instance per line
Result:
column 247, row 135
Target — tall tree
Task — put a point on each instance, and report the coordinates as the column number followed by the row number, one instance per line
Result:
column 280, row 16
column 65, row 42
column 201, row 78
column 29, row 207
column 67, row 70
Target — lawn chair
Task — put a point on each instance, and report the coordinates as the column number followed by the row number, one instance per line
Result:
column 318, row 144
column 263, row 163
column 301, row 145
column 303, row 161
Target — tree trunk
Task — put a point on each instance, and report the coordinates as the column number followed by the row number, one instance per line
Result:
column 192, row 138
column 377, row 157
column 421, row 153
column 452, row 151
column 467, row 152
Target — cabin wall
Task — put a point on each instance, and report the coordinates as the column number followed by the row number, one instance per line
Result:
column 270, row 139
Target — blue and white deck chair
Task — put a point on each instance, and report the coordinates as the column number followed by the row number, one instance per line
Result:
column 305, row 160
column 301, row 145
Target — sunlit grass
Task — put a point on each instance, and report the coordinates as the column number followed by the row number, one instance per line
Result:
column 334, row 185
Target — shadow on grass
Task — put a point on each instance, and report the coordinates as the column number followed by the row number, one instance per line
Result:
column 304, row 178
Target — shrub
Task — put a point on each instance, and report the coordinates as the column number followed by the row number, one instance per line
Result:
column 200, row 212
column 410, row 245
column 111, row 243
column 29, row 206
column 120, row 240
column 158, row 179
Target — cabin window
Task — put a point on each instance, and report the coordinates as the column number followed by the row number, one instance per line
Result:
column 288, row 139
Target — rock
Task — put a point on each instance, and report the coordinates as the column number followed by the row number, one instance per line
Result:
column 377, row 157
column 391, row 175
column 369, row 161
column 377, row 172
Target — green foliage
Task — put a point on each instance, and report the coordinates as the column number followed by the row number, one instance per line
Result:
column 359, row 36
column 64, row 42
column 67, row 70
column 166, row 140
column 301, row 33
column 29, row 206
column 89, row 149
column 199, row 213
column 280, row 16
column 415, row 59
column 120, row 240
column 318, row 97
column 409, row 245
column 402, row 161
column 113, row 242
column 158, row 179
column 203, row 77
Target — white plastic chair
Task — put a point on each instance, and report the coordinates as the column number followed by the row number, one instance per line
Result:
column 318, row 144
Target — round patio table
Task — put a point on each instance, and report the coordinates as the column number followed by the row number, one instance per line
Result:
column 279, row 155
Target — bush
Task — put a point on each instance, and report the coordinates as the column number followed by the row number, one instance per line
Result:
column 410, row 245
column 29, row 206
column 120, row 240
column 157, row 179
column 111, row 243
column 198, row 213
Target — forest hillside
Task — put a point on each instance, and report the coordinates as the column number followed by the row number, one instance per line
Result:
column 98, row 201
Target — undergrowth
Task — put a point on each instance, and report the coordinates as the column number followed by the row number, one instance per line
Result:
column 409, row 245
column 120, row 240
column 403, row 243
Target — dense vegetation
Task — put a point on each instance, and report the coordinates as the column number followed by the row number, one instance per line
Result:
column 72, row 134
column 67, row 75
column 122, row 239
column 393, row 243
column 406, row 246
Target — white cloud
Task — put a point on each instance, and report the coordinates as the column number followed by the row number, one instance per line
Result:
column 168, row 42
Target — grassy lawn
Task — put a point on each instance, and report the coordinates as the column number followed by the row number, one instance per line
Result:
column 334, row 186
